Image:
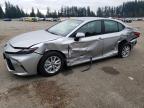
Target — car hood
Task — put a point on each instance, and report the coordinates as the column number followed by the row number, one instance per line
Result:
column 32, row 38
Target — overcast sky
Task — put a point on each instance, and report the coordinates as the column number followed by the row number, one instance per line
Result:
column 56, row 4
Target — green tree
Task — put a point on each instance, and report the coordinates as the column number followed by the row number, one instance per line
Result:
column 1, row 12
column 12, row 11
column 99, row 12
column 48, row 12
column 32, row 14
column 39, row 14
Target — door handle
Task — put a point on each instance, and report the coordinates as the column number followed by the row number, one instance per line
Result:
column 99, row 38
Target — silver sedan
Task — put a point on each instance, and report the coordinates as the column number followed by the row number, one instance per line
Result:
column 68, row 43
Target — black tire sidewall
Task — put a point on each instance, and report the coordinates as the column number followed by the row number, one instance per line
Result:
column 121, row 47
column 41, row 69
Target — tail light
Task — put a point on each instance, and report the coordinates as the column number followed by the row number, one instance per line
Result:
column 137, row 34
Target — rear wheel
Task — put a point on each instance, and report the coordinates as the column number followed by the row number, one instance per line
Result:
column 124, row 50
column 51, row 63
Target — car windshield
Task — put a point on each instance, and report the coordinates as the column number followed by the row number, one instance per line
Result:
column 65, row 27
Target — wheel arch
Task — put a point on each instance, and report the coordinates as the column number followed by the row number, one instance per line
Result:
column 64, row 56
column 123, row 42
column 57, row 52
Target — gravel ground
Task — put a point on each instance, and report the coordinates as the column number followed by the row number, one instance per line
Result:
column 110, row 83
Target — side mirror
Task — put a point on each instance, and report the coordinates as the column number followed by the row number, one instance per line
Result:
column 79, row 35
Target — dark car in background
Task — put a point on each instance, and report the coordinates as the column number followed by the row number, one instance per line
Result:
column 7, row 19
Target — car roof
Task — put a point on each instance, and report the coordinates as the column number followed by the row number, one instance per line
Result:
column 88, row 19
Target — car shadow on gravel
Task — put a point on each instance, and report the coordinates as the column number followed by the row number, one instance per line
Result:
column 85, row 66
column 31, row 77
column 67, row 71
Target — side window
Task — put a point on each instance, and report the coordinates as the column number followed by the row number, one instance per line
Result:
column 91, row 29
column 111, row 26
column 120, row 26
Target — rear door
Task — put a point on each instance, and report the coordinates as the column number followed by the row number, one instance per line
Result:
column 111, row 36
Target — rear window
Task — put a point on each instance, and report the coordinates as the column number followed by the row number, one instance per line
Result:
column 111, row 26
column 120, row 26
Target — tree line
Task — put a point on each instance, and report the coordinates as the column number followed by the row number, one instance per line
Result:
column 12, row 11
column 127, row 9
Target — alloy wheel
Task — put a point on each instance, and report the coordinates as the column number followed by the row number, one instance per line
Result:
column 52, row 64
column 126, row 51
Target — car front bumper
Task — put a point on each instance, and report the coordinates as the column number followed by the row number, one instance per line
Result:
column 22, row 65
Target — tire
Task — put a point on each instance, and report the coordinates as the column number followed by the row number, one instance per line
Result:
column 124, row 50
column 47, row 66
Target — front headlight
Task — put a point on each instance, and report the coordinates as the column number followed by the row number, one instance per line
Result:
column 27, row 50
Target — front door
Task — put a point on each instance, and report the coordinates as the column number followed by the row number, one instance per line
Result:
column 89, row 46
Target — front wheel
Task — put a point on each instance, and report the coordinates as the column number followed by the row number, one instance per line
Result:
column 124, row 50
column 51, row 64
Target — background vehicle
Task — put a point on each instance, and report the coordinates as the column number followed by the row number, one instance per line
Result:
column 30, row 19
column 7, row 19
column 127, row 20
column 70, row 42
